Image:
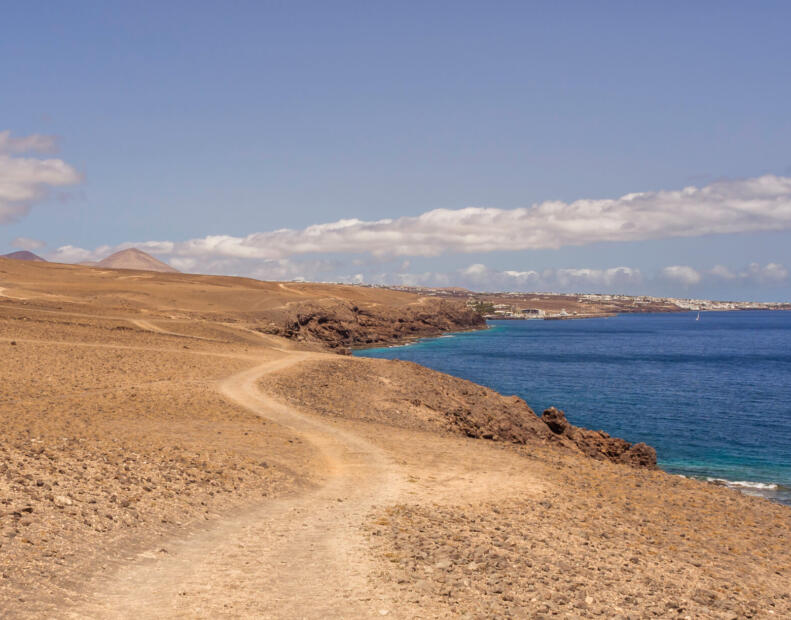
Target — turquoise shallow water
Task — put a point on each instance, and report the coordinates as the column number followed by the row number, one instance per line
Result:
column 712, row 396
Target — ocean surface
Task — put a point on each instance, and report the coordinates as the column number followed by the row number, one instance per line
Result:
column 713, row 396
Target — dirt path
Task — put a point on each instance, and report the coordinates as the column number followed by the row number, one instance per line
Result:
column 302, row 557
column 291, row 290
column 150, row 327
column 2, row 294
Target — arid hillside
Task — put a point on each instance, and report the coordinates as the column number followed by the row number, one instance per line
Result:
column 179, row 446
column 333, row 315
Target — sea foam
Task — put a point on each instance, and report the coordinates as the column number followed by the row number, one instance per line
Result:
column 745, row 484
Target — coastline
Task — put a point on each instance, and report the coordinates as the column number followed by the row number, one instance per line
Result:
column 604, row 315
column 764, row 485
column 410, row 340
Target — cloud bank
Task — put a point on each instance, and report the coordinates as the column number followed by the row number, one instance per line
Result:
column 681, row 274
column 26, row 180
column 759, row 204
column 753, row 274
column 581, row 279
column 733, row 206
column 585, row 280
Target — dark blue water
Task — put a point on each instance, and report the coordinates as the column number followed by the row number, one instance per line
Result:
column 712, row 396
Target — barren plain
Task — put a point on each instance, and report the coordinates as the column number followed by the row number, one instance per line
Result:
column 179, row 446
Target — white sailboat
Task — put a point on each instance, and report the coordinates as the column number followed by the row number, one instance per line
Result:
column 697, row 318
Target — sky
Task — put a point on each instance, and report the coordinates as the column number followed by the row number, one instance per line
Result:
column 640, row 148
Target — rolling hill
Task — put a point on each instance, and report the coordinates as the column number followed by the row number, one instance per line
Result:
column 24, row 255
column 135, row 259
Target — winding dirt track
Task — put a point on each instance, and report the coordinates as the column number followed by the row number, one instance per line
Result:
column 301, row 557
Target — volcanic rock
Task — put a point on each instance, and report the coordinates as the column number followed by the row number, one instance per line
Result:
column 555, row 420
column 598, row 444
column 340, row 324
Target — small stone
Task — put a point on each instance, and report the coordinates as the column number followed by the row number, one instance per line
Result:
column 61, row 501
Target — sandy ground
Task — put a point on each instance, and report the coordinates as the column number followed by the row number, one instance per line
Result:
column 160, row 467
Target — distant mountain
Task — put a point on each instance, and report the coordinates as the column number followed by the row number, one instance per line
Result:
column 134, row 259
column 24, row 255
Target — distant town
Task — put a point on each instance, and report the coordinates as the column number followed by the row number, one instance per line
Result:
column 557, row 306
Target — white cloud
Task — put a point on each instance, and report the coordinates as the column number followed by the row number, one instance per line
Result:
column 476, row 270
column 25, row 243
column 752, row 275
column 615, row 277
column 34, row 143
column 758, row 204
column 586, row 280
column 426, row 278
column 681, row 274
column 72, row 254
column 723, row 273
column 577, row 280
column 26, row 180
column 183, row 264
column 771, row 273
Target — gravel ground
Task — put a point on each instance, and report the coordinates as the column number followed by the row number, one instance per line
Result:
column 105, row 448
column 599, row 540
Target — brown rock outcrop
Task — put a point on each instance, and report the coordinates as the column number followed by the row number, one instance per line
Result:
column 341, row 324
column 598, row 444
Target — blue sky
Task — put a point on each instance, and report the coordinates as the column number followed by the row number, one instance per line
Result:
column 188, row 127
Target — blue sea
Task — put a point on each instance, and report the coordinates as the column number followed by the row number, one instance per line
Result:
column 713, row 396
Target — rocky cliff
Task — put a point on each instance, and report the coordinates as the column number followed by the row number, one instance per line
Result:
column 341, row 324
column 598, row 444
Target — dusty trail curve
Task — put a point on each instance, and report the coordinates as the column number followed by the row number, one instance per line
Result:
column 300, row 557
column 150, row 327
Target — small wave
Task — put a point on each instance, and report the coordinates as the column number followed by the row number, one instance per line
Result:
column 744, row 484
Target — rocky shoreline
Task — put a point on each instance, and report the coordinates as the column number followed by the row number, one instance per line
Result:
column 408, row 395
column 341, row 325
